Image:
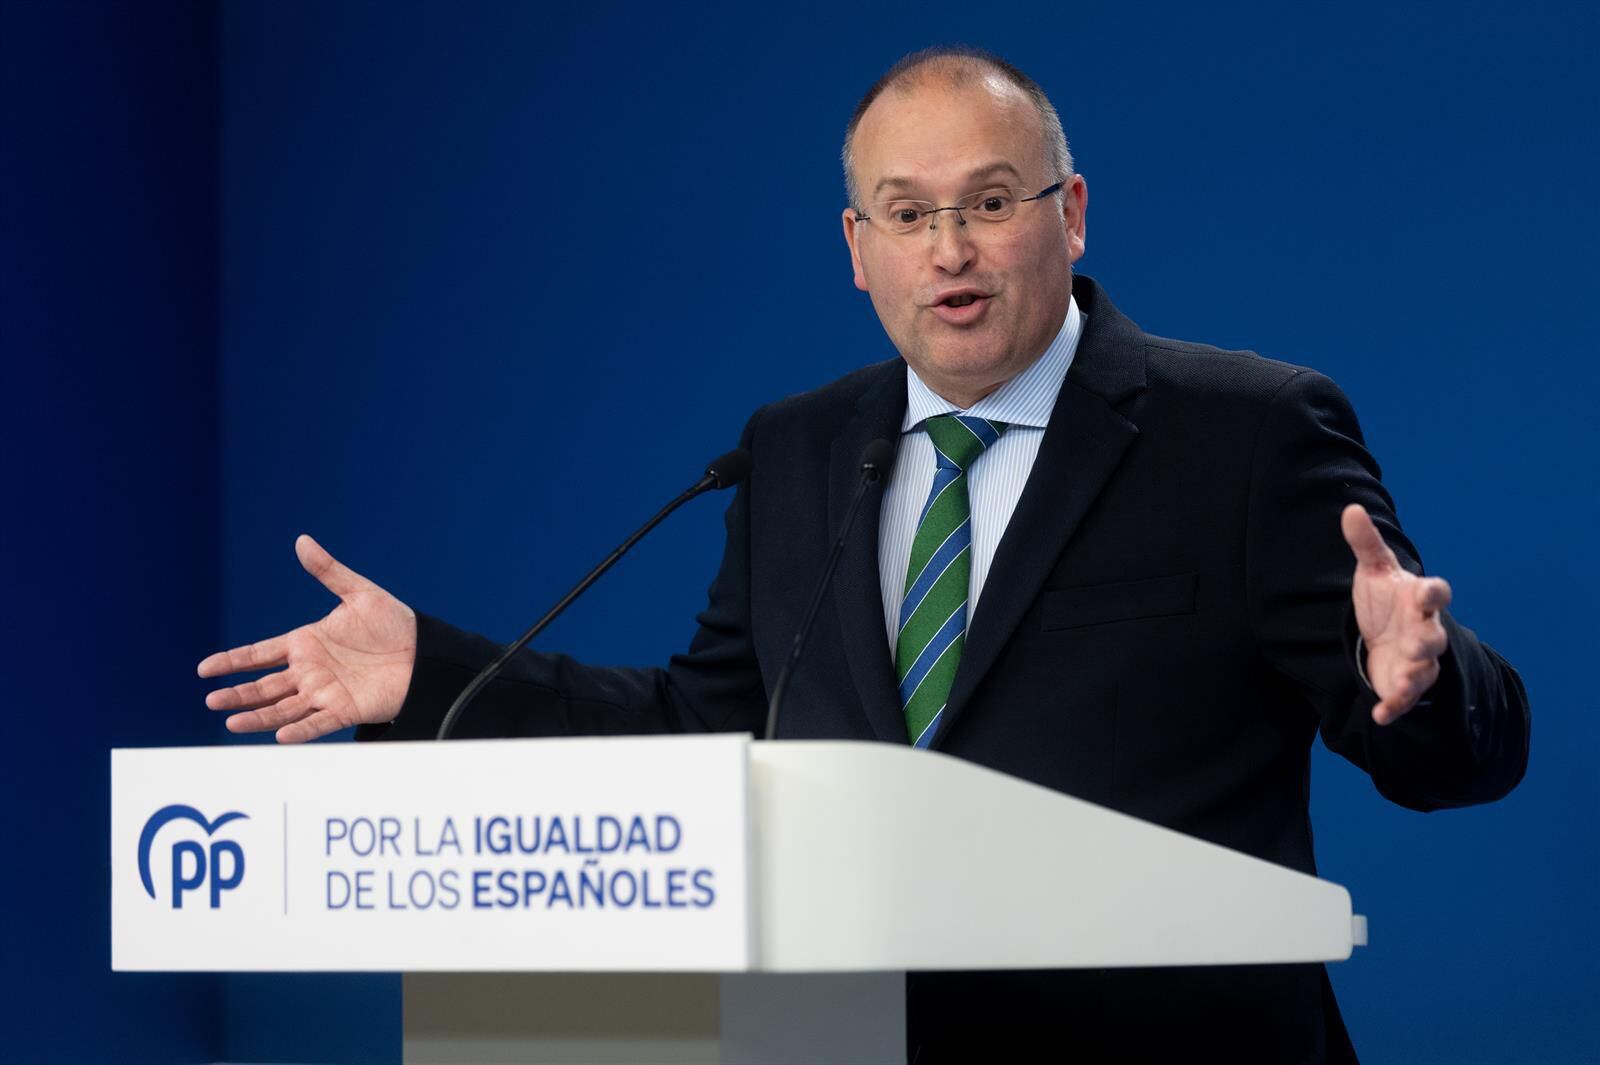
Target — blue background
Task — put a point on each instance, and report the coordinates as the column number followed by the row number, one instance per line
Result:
column 466, row 289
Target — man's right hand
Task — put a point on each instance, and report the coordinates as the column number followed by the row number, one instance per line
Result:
column 351, row 668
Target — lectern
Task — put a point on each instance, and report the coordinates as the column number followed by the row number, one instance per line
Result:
column 677, row 898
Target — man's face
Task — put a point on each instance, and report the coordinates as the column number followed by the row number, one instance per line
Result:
column 938, row 142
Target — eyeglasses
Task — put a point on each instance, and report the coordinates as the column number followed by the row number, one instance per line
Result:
column 990, row 205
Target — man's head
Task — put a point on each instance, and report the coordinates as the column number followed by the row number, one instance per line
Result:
column 944, row 124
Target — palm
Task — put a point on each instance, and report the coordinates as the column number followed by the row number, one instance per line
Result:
column 352, row 667
column 358, row 655
column 1398, row 615
column 1376, row 598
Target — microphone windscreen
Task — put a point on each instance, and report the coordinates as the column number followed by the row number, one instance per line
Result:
column 728, row 470
column 876, row 458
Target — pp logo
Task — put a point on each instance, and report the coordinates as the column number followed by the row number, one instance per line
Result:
column 192, row 865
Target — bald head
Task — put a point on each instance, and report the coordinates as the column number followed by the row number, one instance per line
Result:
column 955, row 68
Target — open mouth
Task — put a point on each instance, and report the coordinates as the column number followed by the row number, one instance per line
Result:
column 962, row 308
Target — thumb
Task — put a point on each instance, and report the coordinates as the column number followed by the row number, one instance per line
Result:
column 335, row 576
column 1364, row 539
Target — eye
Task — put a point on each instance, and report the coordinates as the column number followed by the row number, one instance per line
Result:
column 900, row 216
column 994, row 201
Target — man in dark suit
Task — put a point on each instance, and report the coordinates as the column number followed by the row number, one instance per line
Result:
column 1147, row 599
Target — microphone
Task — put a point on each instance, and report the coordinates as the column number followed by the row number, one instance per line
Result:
column 876, row 459
column 725, row 471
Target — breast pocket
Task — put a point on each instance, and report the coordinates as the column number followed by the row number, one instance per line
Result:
column 1098, row 604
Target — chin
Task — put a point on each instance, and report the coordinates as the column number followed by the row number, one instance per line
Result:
column 972, row 362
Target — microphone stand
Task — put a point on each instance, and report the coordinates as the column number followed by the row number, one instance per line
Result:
column 725, row 472
column 875, row 458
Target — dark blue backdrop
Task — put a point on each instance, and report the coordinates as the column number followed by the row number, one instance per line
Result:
column 467, row 255
column 108, row 441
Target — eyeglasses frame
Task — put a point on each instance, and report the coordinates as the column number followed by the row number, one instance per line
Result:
column 934, row 224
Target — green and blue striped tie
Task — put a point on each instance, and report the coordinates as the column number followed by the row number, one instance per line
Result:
column 933, row 612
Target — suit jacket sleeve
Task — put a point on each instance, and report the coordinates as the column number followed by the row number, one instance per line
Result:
column 715, row 686
column 1467, row 742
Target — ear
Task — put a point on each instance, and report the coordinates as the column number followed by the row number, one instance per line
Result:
column 1074, row 208
column 851, row 232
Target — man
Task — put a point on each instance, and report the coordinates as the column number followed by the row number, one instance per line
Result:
column 1107, row 562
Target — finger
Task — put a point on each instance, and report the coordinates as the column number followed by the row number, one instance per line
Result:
column 1423, row 637
column 1434, row 642
column 1391, row 710
column 280, row 713
column 1433, row 594
column 335, row 576
column 1403, row 694
column 1394, row 706
column 267, row 654
column 1421, row 645
column 1364, row 539
column 307, row 729
column 1424, row 651
column 269, row 689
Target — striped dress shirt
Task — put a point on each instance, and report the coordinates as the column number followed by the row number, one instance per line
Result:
column 994, row 484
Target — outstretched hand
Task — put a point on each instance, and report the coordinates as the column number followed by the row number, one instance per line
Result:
column 1398, row 615
column 353, row 667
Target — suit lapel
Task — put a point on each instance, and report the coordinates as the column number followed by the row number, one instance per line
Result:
column 857, row 592
column 1082, row 447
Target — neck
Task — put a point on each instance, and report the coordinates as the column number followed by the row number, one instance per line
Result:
column 963, row 397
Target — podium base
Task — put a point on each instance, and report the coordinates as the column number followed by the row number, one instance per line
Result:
column 670, row 1018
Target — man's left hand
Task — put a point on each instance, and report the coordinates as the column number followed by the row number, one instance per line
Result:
column 1398, row 615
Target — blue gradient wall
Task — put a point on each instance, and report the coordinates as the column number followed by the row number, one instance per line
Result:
column 496, row 279
column 108, row 442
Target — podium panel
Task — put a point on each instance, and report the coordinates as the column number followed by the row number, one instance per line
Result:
column 610, row 854
column 683, row 898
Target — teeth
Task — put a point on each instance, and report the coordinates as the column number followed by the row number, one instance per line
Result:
column 961, row 301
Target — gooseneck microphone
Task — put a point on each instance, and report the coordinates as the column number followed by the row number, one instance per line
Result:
column 876, row 459
column 723, row 472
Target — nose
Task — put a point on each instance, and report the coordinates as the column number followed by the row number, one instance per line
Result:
column 953, row 248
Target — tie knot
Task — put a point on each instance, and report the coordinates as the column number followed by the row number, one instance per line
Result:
column 960, row 438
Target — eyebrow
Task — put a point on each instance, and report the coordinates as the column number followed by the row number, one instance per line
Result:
column 974, row 175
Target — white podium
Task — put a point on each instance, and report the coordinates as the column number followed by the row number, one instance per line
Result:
column 703, row 898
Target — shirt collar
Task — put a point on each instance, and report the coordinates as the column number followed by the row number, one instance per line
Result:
column 1026, row 399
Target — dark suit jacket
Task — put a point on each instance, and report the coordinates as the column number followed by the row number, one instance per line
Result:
column 1165, row 629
